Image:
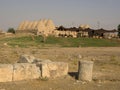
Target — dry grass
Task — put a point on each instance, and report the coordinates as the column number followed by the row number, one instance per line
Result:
column 106, row 72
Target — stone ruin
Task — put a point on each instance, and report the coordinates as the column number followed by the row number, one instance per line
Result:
column 28, row 67
column 85, row 70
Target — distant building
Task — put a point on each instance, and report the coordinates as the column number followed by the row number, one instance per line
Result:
column 46, row 27
column 43, row 26
column 84, row 26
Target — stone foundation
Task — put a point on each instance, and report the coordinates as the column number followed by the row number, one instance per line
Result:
column 28, row 67
column 25, row 71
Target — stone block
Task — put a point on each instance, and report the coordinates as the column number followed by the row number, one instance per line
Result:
column 6, row 72
column 44, row 70
column 25, row 71
column 31, row 59
column 41, row 60
column 53, row 69
column 62, row 68
column 26, row 59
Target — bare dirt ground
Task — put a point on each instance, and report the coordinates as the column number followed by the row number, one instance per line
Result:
column 106, row 72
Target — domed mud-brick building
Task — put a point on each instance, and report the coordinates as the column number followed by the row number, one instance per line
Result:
column 43, row 26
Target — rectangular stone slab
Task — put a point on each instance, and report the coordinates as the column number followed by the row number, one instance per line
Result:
column 6, row 71
column 53, row 69
column 25, row 71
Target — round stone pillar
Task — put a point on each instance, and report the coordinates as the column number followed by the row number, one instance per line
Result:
column 85, row 70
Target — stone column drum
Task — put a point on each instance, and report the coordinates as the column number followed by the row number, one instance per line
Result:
column 85, row 70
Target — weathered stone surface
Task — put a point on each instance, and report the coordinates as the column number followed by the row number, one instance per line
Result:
column 45, row 72
column 26, row 59
column 53, row 69
column 41, row 60
column 85, row 70
column 62, row 69
column 6, row 71
column 31, row 59
column 25, row 71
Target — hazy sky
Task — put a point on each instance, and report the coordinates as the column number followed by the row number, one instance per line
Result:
column 62, row 12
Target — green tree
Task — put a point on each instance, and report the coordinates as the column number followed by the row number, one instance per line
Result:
column 11, row 30
column 119, row 30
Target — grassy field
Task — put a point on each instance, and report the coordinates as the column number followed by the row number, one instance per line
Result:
column 27, row 41
column 105, row 54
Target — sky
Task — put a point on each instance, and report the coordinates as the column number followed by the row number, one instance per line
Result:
column 96, row 13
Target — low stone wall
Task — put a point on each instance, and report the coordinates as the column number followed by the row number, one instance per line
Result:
column 48, row 68
column 18, row 71
column 28, row 67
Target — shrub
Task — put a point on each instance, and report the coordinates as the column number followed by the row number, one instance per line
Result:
column 119, row 30
column 11, row 30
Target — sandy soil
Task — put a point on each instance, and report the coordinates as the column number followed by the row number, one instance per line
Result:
column 106, row 72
